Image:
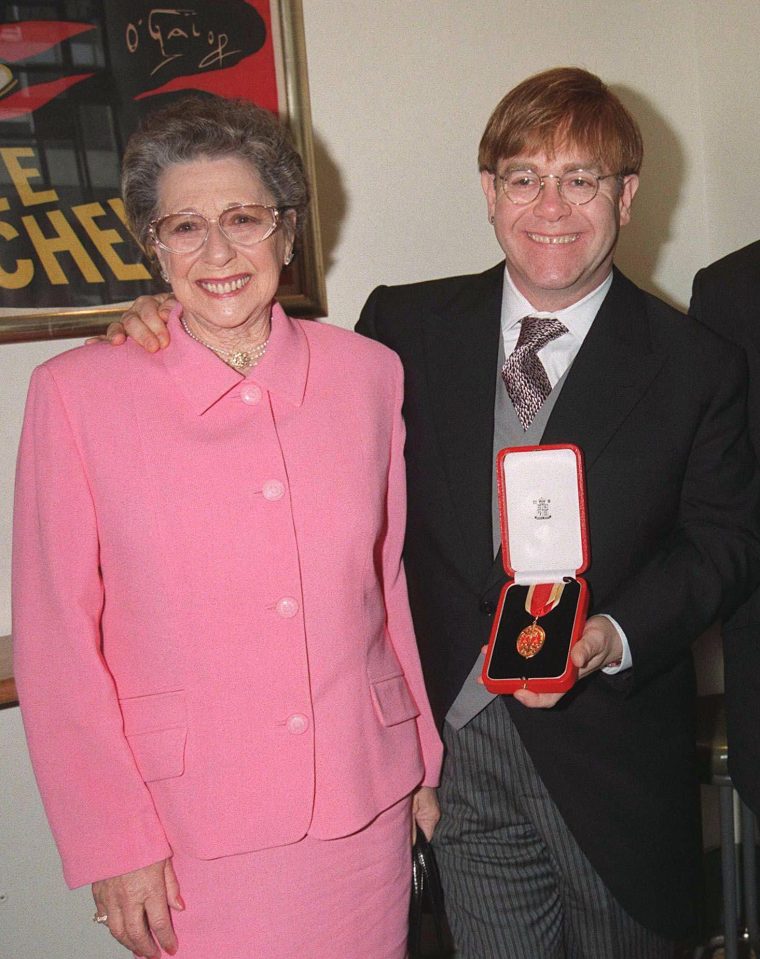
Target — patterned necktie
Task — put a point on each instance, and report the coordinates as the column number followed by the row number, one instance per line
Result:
column 523, row 372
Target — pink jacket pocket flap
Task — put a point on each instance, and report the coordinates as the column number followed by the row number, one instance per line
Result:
column 156, row 729
column 144, row 714
column 159, row 754
column 393, row 701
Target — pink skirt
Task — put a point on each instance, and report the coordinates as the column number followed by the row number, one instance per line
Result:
column 344, row 898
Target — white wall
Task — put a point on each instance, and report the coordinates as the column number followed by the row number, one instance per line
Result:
column 400, row 93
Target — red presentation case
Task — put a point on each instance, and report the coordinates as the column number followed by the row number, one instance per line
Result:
column 544, row 537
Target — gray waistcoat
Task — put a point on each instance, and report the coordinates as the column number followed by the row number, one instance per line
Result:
column 508, row 431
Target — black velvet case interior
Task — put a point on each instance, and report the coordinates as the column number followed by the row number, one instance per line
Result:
column 551, row 660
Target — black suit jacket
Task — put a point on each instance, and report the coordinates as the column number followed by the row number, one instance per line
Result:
column 656, row 403
column 726, row 297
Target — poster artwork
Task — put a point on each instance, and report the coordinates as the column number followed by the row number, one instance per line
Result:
column 71, row 91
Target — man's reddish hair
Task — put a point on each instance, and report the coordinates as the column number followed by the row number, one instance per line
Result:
column 563, row 108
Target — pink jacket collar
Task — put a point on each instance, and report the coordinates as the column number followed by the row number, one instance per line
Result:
column 205, row 379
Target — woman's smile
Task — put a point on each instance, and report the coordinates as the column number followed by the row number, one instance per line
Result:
column 228, row 286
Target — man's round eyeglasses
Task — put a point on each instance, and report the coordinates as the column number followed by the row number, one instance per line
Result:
column 575, row 186
column 243, row 224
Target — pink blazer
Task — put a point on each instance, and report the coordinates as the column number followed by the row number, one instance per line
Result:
column 213, row 646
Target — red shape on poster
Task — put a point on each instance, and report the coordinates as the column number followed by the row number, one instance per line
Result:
column 29, row 99
column 20, row 41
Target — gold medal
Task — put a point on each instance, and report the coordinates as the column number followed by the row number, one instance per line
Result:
column 540, row 600
column 530, row 640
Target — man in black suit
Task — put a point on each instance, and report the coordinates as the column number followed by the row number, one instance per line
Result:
column 570, row 830
column 570, row 824
column 726, row 297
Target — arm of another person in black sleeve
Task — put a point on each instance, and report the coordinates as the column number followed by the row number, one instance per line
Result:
column 741, row 633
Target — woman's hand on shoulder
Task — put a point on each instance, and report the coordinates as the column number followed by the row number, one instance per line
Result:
column 425, row 810
column 144, row 322
column 138, row 905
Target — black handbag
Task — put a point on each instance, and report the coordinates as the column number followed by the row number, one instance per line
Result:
column 426, row 906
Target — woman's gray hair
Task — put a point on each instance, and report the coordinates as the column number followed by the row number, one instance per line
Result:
column 209, row 127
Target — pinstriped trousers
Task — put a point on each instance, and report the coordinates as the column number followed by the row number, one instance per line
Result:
column 517, row 884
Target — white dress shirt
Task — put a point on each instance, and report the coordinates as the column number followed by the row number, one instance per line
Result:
column 557, row 357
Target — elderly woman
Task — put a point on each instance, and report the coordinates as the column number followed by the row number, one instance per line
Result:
column 214, row 652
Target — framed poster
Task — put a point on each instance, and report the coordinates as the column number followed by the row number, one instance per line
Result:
column 76, row 76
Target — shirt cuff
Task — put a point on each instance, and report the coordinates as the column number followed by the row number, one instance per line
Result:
column 626, row 660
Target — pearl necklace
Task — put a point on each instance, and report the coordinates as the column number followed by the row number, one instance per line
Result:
column 239, row 360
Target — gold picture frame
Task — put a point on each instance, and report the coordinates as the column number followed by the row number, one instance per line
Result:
column 302, row 290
